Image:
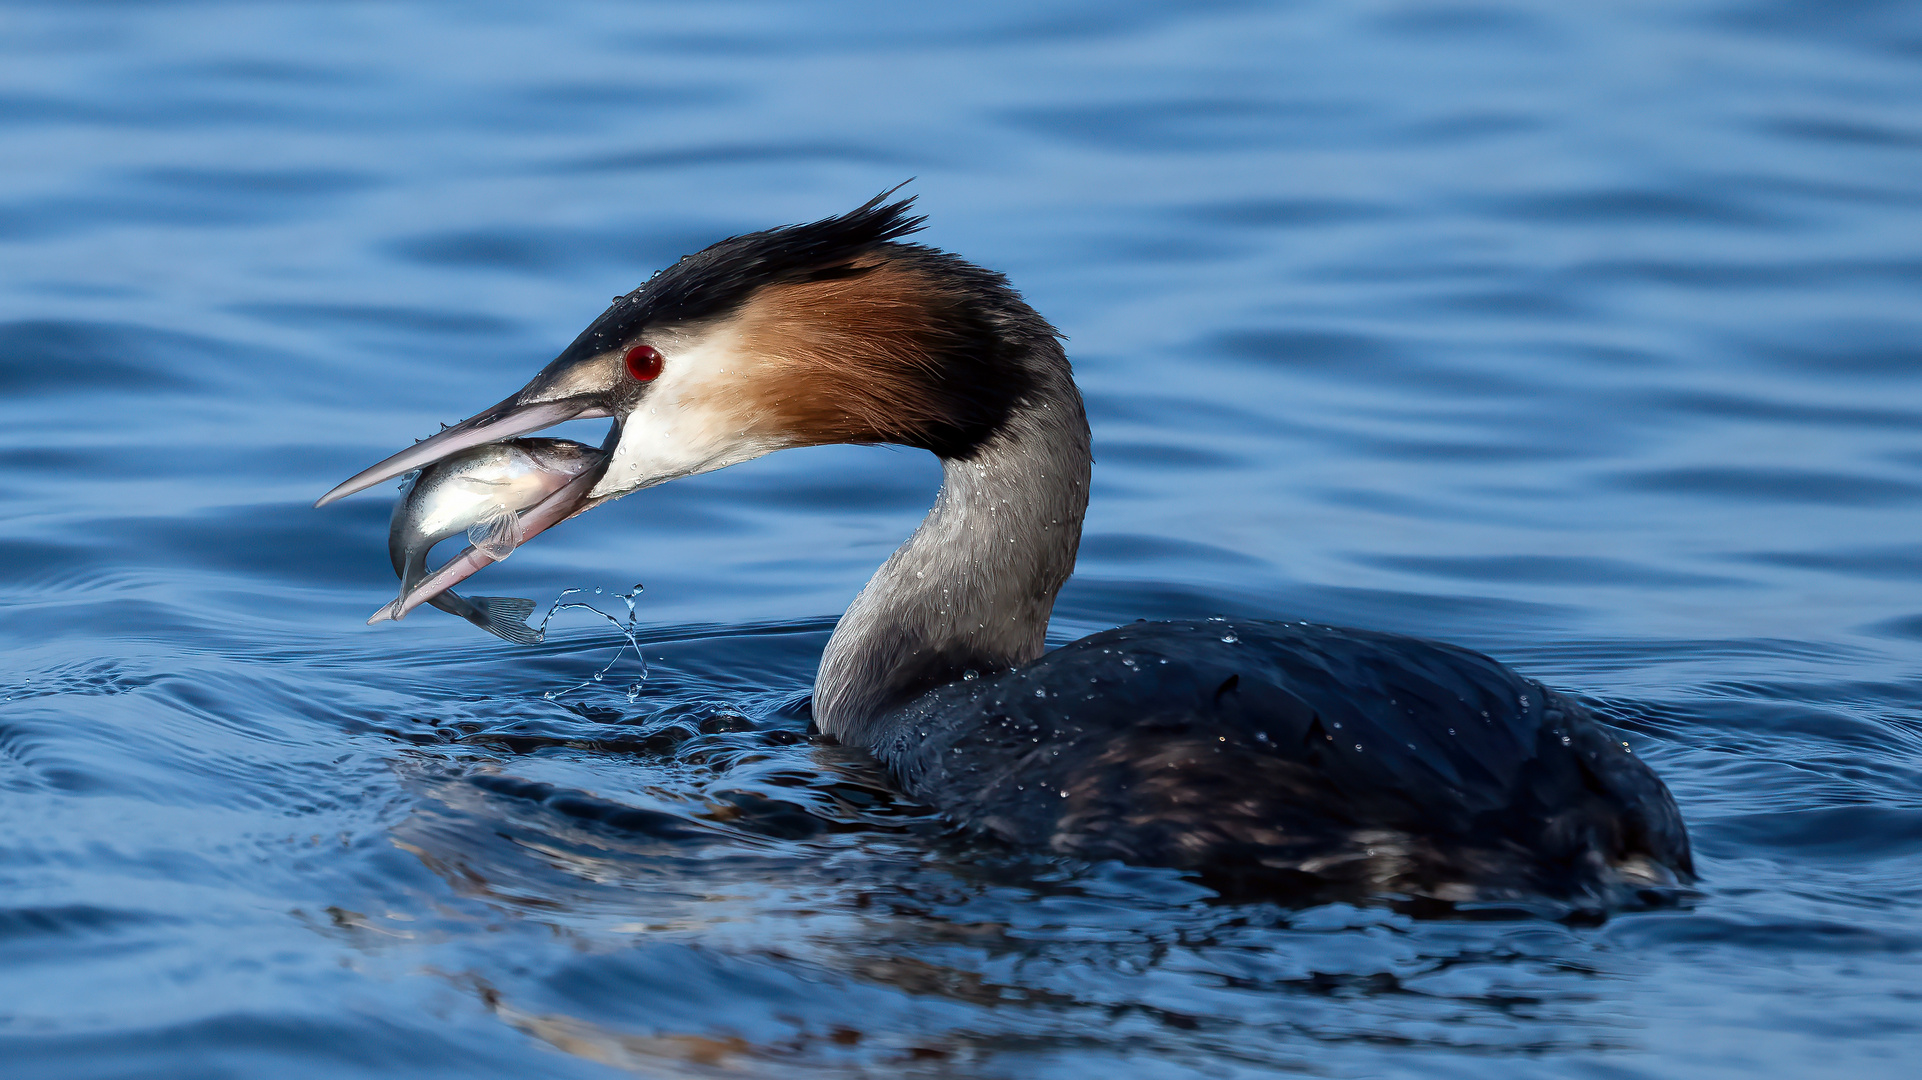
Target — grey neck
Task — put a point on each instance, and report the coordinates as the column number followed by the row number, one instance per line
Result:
column 972, row 589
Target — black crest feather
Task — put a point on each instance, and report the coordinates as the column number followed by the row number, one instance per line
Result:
column 717, row 278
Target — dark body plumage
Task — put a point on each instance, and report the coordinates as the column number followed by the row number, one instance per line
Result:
column 1265, row 753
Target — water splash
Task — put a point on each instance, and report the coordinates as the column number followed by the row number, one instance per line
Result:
column 626, row 627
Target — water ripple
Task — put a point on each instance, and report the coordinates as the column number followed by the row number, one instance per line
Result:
column 1583, row 336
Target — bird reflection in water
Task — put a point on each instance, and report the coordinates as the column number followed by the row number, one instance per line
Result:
column 759, row 904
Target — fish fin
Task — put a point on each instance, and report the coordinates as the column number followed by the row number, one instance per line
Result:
column 496, row 535
column 506, row 617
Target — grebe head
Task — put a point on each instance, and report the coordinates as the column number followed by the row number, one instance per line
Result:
column 830, row 332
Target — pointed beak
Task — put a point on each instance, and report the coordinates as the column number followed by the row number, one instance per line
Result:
column 503, row 421
column 570, row 388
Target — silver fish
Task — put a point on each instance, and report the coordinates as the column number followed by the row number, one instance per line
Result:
column 481, row 493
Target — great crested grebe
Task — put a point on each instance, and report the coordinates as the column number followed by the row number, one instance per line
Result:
column 1271, row 752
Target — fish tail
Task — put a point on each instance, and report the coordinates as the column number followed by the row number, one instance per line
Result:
column 506, row 617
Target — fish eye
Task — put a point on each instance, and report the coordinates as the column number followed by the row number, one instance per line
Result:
column 644, row 363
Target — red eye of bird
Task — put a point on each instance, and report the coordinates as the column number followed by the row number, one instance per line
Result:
column 644, row 363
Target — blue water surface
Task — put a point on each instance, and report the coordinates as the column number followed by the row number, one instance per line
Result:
column 1583, row 334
